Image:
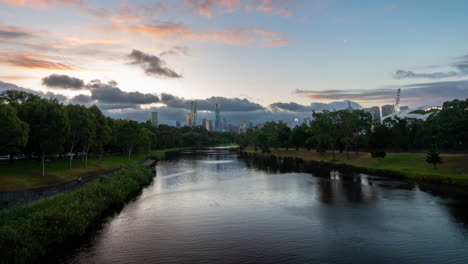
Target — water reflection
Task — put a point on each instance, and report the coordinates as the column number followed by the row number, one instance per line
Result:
column 213, row 207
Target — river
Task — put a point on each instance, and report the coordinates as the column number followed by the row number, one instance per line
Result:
column 210, row 206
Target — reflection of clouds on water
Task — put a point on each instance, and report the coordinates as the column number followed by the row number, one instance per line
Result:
column 177, row 174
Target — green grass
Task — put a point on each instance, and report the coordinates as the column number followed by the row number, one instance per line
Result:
column 26, row 174
column 453, row 170
column 28, row 233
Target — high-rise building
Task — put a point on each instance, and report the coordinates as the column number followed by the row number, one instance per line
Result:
column 387, row 110
column 243, row 127
column 193, row 114
column 154, row 118
column 218, row 126
column 374, row 111
column 188, row 120
column 224, row 124
column 177, row 124
column 208, row 124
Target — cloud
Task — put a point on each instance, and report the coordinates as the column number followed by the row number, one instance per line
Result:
column 34, row 61
column 206, row 7
column 227, row 104
column 109, row 93
column 416, row 94
column 9, row 32
column 295, row 107
column 268, row 6
column 63, row 81
column 231, row 36
column 460, row 65
column 81, row 99
column 152, row 65
column 176, row 50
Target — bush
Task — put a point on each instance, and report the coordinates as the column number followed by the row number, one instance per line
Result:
column 27, row 233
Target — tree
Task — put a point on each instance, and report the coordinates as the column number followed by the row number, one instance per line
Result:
column 379, row 137
column 146, row 137
column 103, row 129
column 262, row 142
column 298, row 136
column 17, row 97
column 127, row 135
column 48, row 125
column 14, row 132
column 79, row 120
column 433, row 156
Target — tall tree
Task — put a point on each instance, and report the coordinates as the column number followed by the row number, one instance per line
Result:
column 103, row 130
column 127, row 135
column 14, row 132
column 48, row 125
column 79, row 126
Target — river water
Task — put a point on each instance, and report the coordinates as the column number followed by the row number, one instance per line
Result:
column 210, row 206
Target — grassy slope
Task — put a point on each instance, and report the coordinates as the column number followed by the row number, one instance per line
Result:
column 413, row 165
column 27, row 233
column 26, row 174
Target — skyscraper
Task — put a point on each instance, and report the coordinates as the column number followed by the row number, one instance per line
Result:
column 154, row 118
column 218, row 126
column 193, row 114
column 224, row 124
column 188, row 119
column 387, row 110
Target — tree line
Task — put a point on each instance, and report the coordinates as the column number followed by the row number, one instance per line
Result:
column 42, row 127
column 353, row 131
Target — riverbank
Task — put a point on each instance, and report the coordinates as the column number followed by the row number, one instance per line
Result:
column 453, row 170
column 25, row 174
column 28, row 233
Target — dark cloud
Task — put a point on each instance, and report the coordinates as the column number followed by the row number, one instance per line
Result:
column 81, row 99
column 461, row 66
column 152, row 65
column 63, row 81
column 294, row 107
column 227, row 104
column 109, row 93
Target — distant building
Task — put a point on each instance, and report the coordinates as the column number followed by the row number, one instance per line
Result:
column 374, row 111
column 193, row 114
column 243, row 127
column 349, row 108
column 209, row 125
column 403, row 108
column 250, row 124
column 154, row 118
column 218, row 125
column 188, row 120
column 177, row 124
column 224, row 124
column 387, row 110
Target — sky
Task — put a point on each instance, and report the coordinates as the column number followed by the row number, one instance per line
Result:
column 260, row 59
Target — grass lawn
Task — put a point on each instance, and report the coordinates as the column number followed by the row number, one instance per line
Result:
column 454, row 168
column 26, row 174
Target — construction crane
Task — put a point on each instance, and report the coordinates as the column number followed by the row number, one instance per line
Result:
column 396, row 105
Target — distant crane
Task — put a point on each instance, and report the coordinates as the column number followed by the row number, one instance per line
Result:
column 396, row 105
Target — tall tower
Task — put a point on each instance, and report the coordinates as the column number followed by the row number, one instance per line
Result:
column 193, row 114
column 218, row 126
column 154, row 118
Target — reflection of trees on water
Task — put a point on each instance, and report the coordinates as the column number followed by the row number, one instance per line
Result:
column 456, row 200
column 342, row 189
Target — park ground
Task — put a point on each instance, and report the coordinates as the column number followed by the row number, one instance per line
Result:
column 453, row 170
column 26, row 174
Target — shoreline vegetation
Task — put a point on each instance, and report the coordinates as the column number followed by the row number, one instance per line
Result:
column 406, row 165
column 28, row 233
